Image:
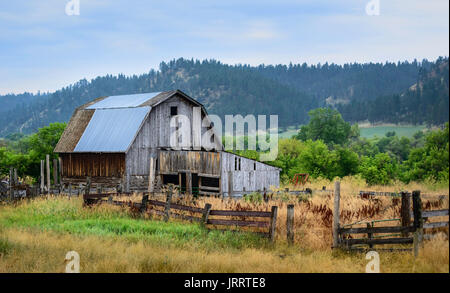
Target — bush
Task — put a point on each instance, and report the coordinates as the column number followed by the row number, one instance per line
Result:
column 254, row 197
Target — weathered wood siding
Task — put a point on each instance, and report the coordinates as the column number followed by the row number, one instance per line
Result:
column 249, row 177
column 189, row 161
column 155, row 133
column 93, row 165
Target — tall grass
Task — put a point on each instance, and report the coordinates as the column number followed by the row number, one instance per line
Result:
column 36, row 234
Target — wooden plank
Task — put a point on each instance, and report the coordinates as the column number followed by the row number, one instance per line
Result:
column 208, row 175
column 238, row 223
column 186, row 208
column 208, row 193
column 374, row 230
column 437, row 213
column 156, row 203
column 186, row 217
column 240, row 213
column 403, row 240
column 435, row 225
column 97, row 195
column 167, row 173
column 209, row 188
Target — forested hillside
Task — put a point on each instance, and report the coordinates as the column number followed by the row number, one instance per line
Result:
column 427, row 101
column 289, row 91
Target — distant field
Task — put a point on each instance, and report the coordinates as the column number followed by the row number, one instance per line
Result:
column 408, row 131
column 368, row 131
column 289, row 132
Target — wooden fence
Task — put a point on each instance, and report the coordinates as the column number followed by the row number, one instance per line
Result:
column 205, row 215
column 342, row 235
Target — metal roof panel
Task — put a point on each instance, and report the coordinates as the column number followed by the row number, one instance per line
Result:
column 112, row 130
column 123, row 101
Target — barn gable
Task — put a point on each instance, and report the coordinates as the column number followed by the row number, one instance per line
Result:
column 110, row 124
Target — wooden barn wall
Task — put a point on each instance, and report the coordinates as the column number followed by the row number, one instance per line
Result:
column 93, row 165
column 247, row 179
column 155, row 133
column 193, row 161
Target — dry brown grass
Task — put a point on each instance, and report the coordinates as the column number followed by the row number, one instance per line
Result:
column 34, row 250
column 313, row 216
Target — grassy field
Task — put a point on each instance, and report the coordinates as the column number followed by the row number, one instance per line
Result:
column 368, row 131
column 380, row 131
column 36, row 235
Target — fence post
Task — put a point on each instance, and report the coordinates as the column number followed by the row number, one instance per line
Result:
column 42, row 176
column 55, row 172
column 60, row 170
column 337, row 196
column 273, row 223
column 206, row 214
column 47, row 161
column 418, row 221
column 70, row 190
column 406, row 217
column 87, row 190
column 290, row 223
column 189, row 183
column 11, row 182
column 143, row 208
column 16, row 181
column 151, row 176
column 369, row 235
column 167, row 206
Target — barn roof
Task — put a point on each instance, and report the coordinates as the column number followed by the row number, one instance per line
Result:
column 110, row 124
column 112, row 130
column 123, row 101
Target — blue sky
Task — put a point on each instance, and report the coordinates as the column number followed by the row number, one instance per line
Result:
column 42, row 48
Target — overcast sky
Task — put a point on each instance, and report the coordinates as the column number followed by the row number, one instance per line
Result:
column 43, row 48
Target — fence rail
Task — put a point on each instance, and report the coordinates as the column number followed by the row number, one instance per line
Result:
column 342, row 237
column 173, row 210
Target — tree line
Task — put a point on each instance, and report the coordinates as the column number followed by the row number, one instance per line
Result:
column 326, row 147
column 288, row 91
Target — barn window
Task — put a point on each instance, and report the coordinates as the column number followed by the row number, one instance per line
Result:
column 173, row 111
column 239, row 164
column 254, row 166
column 235, row 163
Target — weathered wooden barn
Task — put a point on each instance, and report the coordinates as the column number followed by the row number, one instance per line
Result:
column 126, row 140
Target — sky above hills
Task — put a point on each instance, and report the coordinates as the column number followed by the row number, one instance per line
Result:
column 43, row 48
